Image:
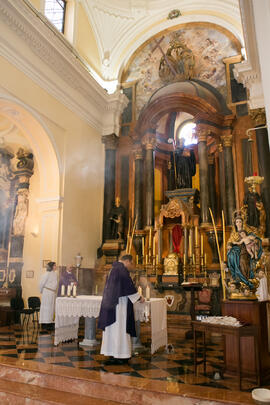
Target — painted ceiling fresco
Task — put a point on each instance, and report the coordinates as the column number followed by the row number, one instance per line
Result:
column 207, row 45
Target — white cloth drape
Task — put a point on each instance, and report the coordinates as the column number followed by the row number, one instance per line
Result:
column 116, row 341
column 48, row 286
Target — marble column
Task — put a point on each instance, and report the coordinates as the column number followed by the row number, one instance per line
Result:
column 222, row 181
column 212, row 184
column 111, row 142
column 203, row 167
column 229, row 177
column 258, row 115
column 138, row 187
column 149, row 141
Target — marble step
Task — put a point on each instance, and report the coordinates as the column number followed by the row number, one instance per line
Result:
column 21, row 394
column 105, row 387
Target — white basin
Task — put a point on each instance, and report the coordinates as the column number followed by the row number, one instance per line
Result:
column 261, row 396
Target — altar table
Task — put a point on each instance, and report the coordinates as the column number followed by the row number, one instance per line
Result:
column 68, row 310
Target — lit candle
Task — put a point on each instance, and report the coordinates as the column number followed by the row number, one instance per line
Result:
column 96, row 291
column 74, row 290
column 196, row 236
column 147, row 293
column 143, row 246
column 140, row 290
column 62, row 290
column 201, row 244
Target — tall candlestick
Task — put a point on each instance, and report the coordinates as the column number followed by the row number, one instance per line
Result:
column 137, row 259
column 154, row 247
column 156, row 259
column 224, row 237
column 189, row 246
column 150, row 238
column 147, row 293
column 205, row 259
column 201, row 244
column 146, row 259
column 193, row 258
column 143, row 246
column 196, row 236
column 185, row 259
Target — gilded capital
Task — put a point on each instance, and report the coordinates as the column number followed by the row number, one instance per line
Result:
column 258, row 116
column 137, row 149
column 202, row 135
column 110, row 141
column 227, row 140
column 149, row 141
column 211, row 159
column 220, row 148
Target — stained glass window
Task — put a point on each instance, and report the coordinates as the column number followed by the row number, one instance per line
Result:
column 55, row 12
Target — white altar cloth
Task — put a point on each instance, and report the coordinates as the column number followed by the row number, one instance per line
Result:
column 69, row 310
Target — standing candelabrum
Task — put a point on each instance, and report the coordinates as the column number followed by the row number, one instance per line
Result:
column 149, row 256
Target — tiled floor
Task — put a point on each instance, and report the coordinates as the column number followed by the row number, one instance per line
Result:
column 175, row 366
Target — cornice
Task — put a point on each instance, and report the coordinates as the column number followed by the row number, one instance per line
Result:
column 38, row 50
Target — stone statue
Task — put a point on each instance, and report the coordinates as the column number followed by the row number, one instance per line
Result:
column 253, row 205
column 117, row 219
column 185, row 163
column 20, row 213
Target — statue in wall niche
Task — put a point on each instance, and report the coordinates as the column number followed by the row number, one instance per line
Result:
column 253, row 205
column 20, row 213
column 185, row 163
column 117, row 219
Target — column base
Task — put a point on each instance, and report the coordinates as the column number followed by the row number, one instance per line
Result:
column 89, row 342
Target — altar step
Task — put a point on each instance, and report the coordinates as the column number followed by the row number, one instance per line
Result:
column 32, row 383
column 21, row 394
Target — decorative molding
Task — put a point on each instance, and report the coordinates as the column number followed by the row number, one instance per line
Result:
column 248, row 72
column 227, row 140
column 258, row 116
column 46, row 57
column 110, row 141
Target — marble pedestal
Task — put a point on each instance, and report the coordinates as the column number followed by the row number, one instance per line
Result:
column 89, row 333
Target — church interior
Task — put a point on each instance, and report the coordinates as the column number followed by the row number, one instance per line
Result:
column 136, row 127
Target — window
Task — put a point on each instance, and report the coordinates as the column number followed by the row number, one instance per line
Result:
column 186, row 132
column 55, row 12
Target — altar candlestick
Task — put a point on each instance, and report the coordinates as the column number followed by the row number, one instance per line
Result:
column 154, row 247
column 193, row 258
column 74, row 291
column 189, row 246
column 147, row 293
column 185, row 259
column 201, row 244
column 156, row 259
column 196, row 236
column 137, row 259
column 140, row 290
column 150, row 238
column 62, row 290
column 143, row 246
column 146, row 259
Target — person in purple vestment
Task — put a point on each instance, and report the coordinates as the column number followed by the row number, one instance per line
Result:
column 67, row 278
column 116, row 317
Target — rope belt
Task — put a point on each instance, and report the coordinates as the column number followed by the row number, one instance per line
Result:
column 47, row 288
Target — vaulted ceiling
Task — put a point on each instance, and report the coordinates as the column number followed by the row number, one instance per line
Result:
column 121, row 26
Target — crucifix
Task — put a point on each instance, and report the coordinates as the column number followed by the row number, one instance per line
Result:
column 164, row 55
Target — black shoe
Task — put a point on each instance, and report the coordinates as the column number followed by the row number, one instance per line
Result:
column 114, row 361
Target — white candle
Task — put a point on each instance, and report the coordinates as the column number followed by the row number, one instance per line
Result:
column 147, row 293
column 140, row 290
column 68, row 290
column 62, row 290
column 74, row 290
column 96, row 289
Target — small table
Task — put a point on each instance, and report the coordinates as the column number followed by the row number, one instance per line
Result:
column 239, row 332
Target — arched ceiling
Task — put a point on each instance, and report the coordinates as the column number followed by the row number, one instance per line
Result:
column 121, row 26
